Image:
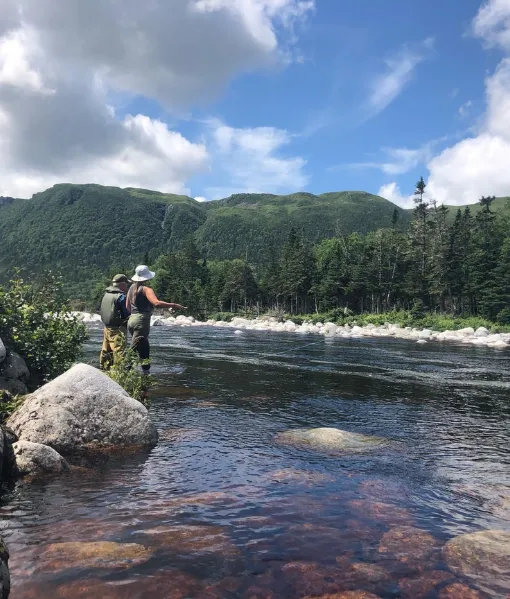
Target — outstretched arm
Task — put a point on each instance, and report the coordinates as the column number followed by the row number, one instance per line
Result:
column 151, row 296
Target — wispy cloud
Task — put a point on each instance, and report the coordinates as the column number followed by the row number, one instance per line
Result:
column 465, row 109
column 397, row 161
column 398, row 73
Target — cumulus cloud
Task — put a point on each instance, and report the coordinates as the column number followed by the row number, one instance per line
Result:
column 254, row 161
column 392, row 192
column 61, row 64
column 492, row 23
column 479, row 165
column 399, row 72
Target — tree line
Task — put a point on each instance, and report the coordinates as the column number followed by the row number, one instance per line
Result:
column 458, row 266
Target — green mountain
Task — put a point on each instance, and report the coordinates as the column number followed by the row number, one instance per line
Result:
column 85, row 230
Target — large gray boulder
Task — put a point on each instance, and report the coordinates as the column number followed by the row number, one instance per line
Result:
column 14, row 374
column 83, row 409
column 5, row 579
column 3, row 351
column 14, row 367
column 37, row 459
column 330, row 439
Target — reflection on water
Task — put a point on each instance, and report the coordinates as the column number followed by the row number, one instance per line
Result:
column 219, row 510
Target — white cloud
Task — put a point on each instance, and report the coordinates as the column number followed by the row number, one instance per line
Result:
column 398, row 74
column 253, row 160
column 62, row 63
column 399, row 160
column 201, row 199
column 464, row 109
column 492, row 23
column 391, row 192
column 148, row 156
column 479, row 165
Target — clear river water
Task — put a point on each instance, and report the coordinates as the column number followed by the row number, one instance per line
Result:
column 224, row 511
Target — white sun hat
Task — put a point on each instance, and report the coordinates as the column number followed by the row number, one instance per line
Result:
column 142, row 273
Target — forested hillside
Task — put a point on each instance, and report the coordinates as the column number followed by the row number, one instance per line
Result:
column 87, row 230
column 449, row 261
column 298, row 253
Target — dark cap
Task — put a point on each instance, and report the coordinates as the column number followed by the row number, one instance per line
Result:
column 120, row 279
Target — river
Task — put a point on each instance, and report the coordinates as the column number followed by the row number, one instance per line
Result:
column 228, row 513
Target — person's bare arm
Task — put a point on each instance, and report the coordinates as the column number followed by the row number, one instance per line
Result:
column 151, row 296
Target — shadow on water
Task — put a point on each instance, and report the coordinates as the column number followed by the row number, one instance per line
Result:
column 220, row 510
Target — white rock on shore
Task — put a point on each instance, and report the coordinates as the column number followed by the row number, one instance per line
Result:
column 467, row 336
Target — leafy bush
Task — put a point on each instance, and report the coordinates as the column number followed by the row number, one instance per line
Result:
column 503, row 316
column 35, row 322
column 126, row 372
column 223, row 316
column 9, row 403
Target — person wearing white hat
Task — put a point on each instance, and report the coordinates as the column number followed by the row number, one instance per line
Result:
column 141, row 302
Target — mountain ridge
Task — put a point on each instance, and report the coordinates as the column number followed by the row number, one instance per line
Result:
column 87, row 230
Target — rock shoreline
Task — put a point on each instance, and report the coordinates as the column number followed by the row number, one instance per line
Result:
column 480, row 337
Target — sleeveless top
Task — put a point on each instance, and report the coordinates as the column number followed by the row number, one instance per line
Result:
column 137, row 301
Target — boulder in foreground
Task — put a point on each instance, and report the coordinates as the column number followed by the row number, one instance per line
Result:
column 330, row 439
column 483, row 557
column 83, row 409
column 37, row 459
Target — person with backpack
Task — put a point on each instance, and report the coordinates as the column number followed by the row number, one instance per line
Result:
column 141, row 302
column 114, row 315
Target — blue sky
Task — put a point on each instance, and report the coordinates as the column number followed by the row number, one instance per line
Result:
column 218, row 97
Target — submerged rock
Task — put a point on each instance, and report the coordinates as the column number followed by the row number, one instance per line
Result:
column 300, row 477
column 36, row 459
column 381, row 512
column 82, row 409
column 5, row 579
column 170, row 584
column 191, row 539
column 310, row 579
column 409, row 547
column 331, row 439
column 346, row 595
column 459, row 591
column 484, row 557
column 421, row 586
column 97, row 554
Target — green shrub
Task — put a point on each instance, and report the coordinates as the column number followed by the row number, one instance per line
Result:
column 126, row 372
column 224, row 316
column 35, row 323
column 503, row 316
